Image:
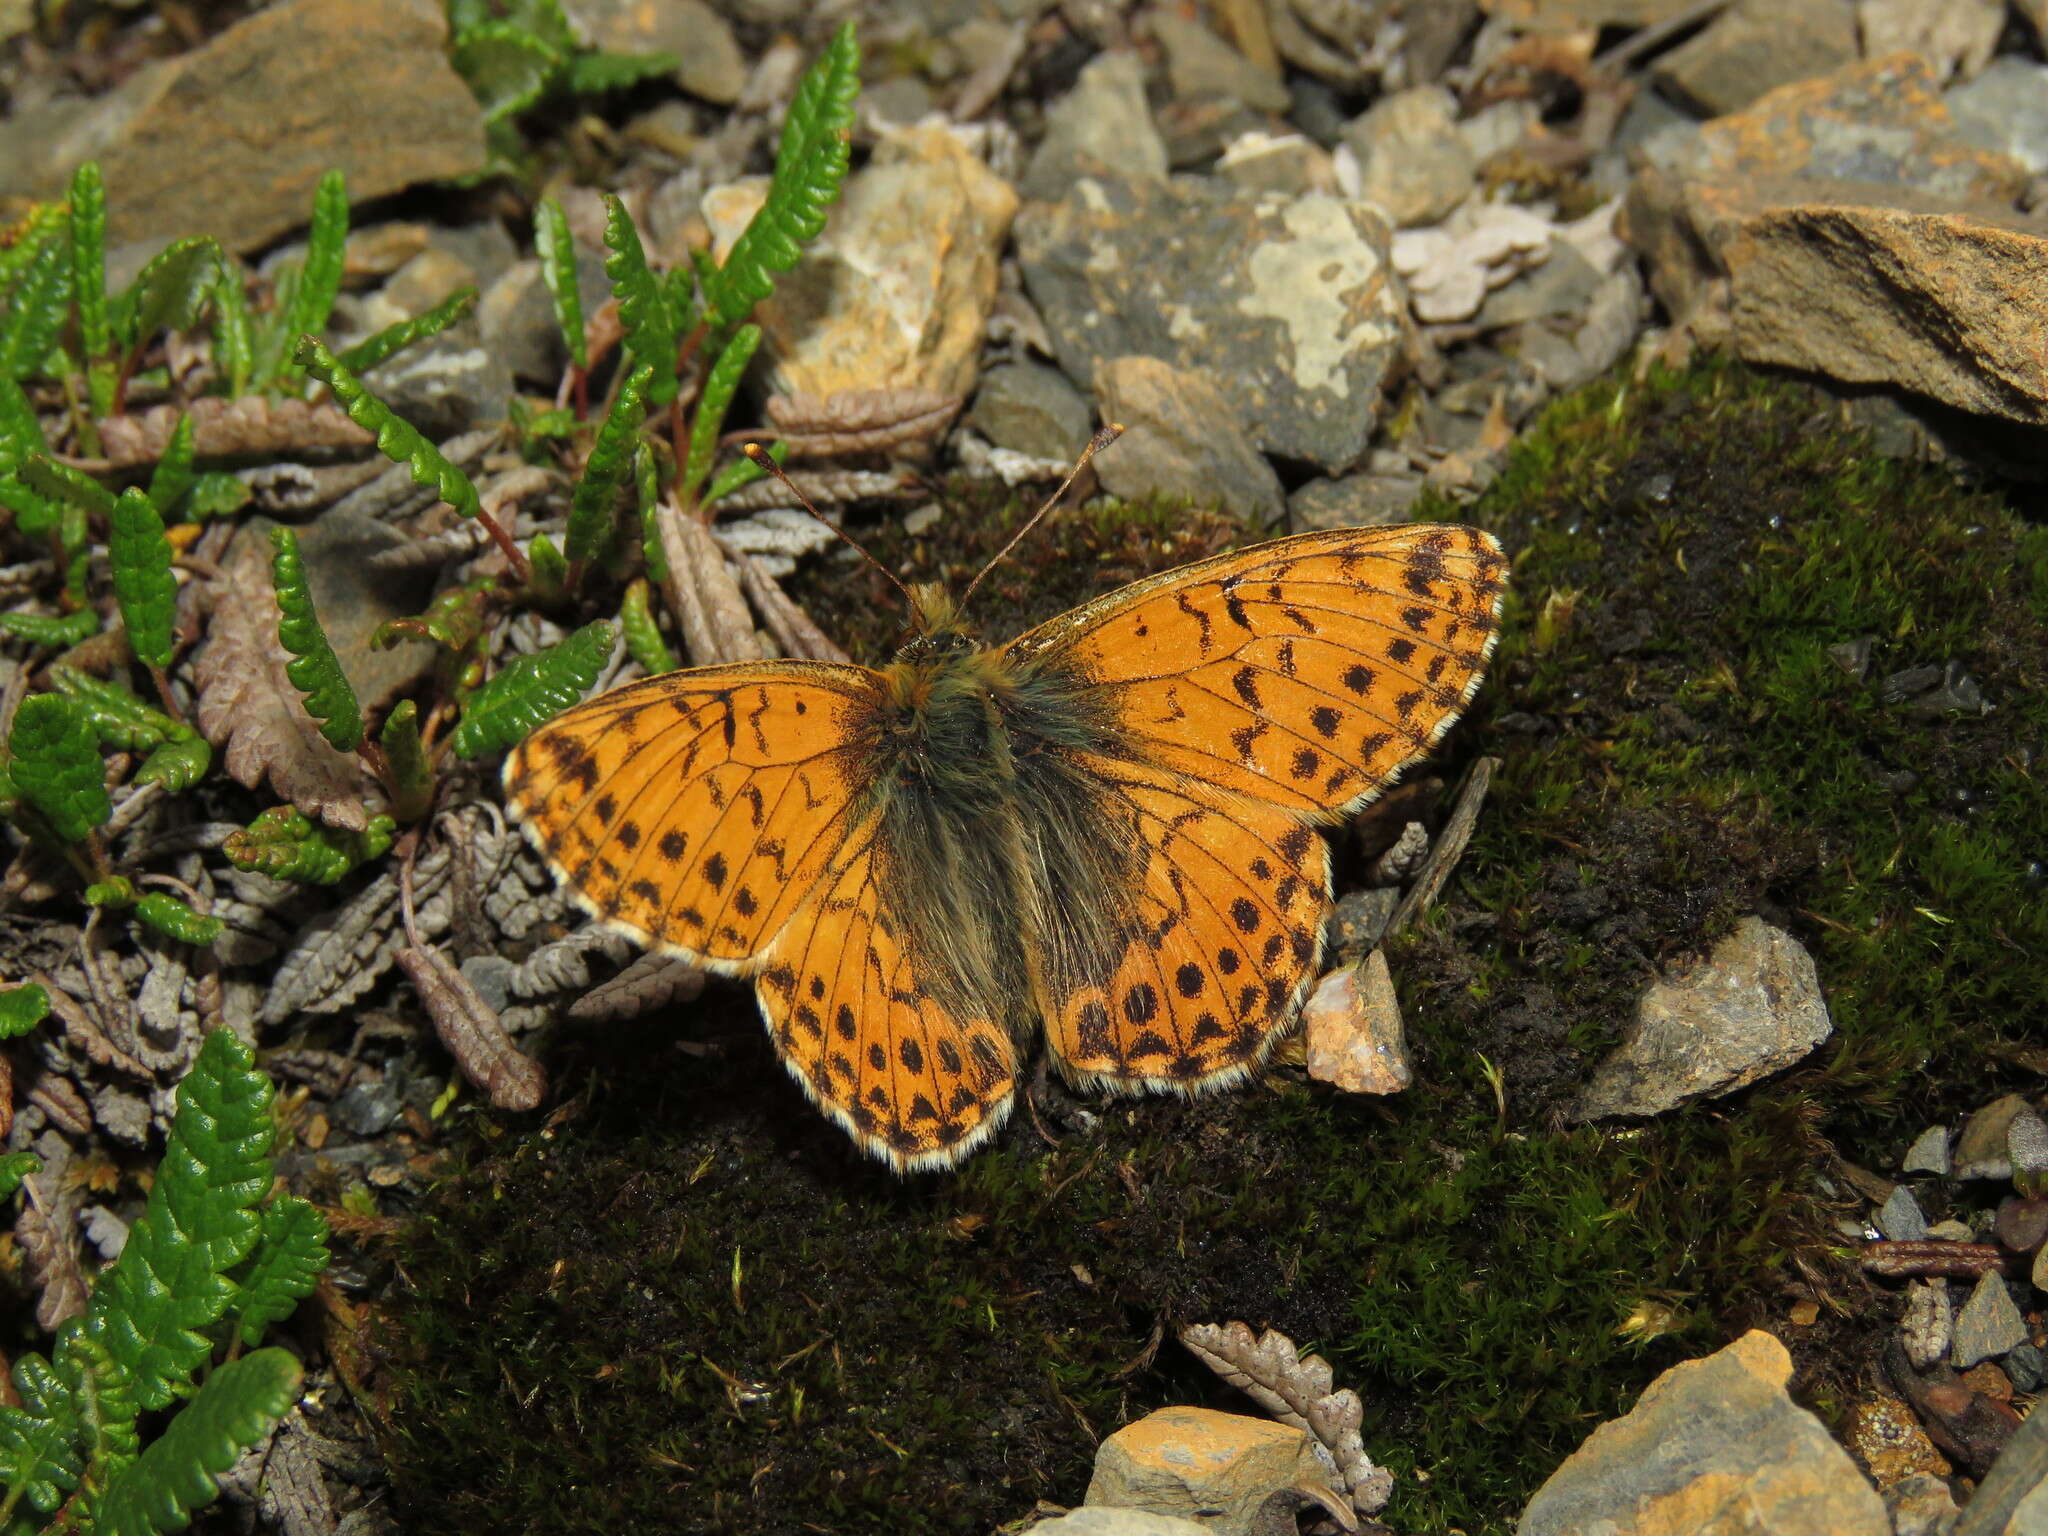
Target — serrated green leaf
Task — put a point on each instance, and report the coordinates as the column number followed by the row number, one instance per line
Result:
column 178, row 764
column 234, row 335
column 409, row 777
column 37, row 303
column 56, row 764
column 114, row 891
column 397, row 438
column 507, row 68
column 556, row 248
column 119, row 718
column 171, row 1280
column 39, row 1440
column 381, row 346
column 547, row 573
column 273, row 333
column 454, row 620
column 720, row 385
column 171, row 292
column 21, row 432
column 643, row 636
column 594, row 507
column 14, row 1167
column 535, row 426
column 235, row 1408
column 593, row 72
column 285, row 844
column 144, row 587
column 44, row 629
column 326, row 245
column 36, row 515
column 104, row 1399
column 314, row 670
column 67, row 484
column 286, row 1266
column 22, row 1008
column 644, row 313
column 648, row 489
column 88, row 199
column 173, row 475
column 170, row 916
column 531, row 690
column 741, row 471
column 216, row 493
column 29, row 233
column 810, row 165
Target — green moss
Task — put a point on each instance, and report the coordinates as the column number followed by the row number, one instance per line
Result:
column 692, row 1309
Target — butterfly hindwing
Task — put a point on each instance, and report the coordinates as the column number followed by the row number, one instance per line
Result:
column 698, row 809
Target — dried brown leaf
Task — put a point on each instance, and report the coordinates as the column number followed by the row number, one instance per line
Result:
column 248, row 706
column 62, row 1102
column 469, row 1027
column 709, row 607
column 860, row 420
column 328, row 1073
column 1269, row 1369
column 794, row 630
column 82, row 1031
column 45, row 1232
column 653, row 981
column 251, row 426
column 1450, row 845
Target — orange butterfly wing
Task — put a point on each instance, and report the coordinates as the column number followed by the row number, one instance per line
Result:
column 1252, row 696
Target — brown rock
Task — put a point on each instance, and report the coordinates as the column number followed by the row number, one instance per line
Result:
column 1714, row 1447
column 232, row 138
column 1756, row 46
column 1885, row 1436
column 1181, row 438
column 1576, row 15
column 1353, row 1032
column 1225, row 1467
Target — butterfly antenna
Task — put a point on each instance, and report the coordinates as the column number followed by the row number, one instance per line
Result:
column 1101, row 440
column 761, row 460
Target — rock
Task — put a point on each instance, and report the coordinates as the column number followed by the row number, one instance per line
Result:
column 2027, row 1365
column 1955, row 36
column 231, row 138
column 2005, row 110
column 1563, row 285
column 897, row 291
column 1413, row 163
column 1450, row 269
column 1749, row 1009
column 1756, row 46
column 2026, row 1148
column 2012, row 1500
column 1182, row 438
column 1712, row 1445
column 1289, row 165
column 1116, row 1522
column 1223, row 1467
column 1981, row 1151
column 367, row 1108
column 353, row 598
column 447, row 384
column 1030, row 408
column 1355, row 501
column 1929, row 1326
column 1199, row 65
column 1988, row 1324
column 1883, row 1434
column 1920, row 1505
column 1901, row 1220
column 1929, row 1152
column 2039, row 1276
column 1352, row 1023
column 1577, row 15
column 1101, row 127
column 1356, row 922
column 711, row 67
column 1292, row 301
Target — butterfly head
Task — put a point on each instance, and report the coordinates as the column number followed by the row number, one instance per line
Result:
column 936, row 627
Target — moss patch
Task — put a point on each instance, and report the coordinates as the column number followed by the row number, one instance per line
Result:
column 691, row 1309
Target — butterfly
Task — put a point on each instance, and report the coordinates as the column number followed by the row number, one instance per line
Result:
column 1104, row 832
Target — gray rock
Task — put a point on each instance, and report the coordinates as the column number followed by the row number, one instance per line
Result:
column 231, row 138
column 1413, row 163
column 2027, row 1365
column 1563, row 285
column 1929, row 1152
column 491, row 975
column 2012, row 1500
column 1294, row 302
column 1956, row 36
column 1354, row 501
column 1920, row 1505
column 1030, row 408
column 1755, row 47
column 1289, row 165
column 1988, row 1324
column 1703, row 1436
column 1980, row 1151
column 2005, row 109
column 711, row 67
column 353, row 598
column 2026, row 1147
column 446, row 385
column 367, row 1109
column 1200, row 65
column 1751, row 1008
column 1116, row 1522
column 900, row 101
column 1182, row 437
column 1103, row 126
column 1901, row 1219
column 1356, row 922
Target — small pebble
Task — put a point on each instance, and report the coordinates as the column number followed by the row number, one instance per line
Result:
column 2027, row 1365
column 1929, row 1152
column 1951, row 1231
column 1901, row 1219
column 2021, row 1225
column 1988, row 1325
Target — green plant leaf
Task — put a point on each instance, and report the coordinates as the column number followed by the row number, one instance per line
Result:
column 114, row 891
column 719, row 387
column 144, row 587
column 285, row 844
column 593, row 72
column 67, row 484
column 382, row 345
column 741, row 471
column 39, row 1440
column 29, row 234
column 647, row 478
column 556, row 248
column 21, row 432
column 171, row 1279
column 88, row 200
column 178, row 764
column 118, row 717
column 44, row 629
column 286, row 1266
column 397, row 438
column 105, row 1402
column 168, row 915
column 314, row 670
column 532, row 689
column 320, row 272
column 235, row 1408
column 593, row 510
column 22, row 1008
column 217, row 493
column 234, row 334
column 547, row 572
column 409, row 777
column 643, row 636
column 173, row 475
column 810, row 164
column 507, row 67
column 14, row 1167
column 37, row 304
column 171, row 292
column 274, row 337
column 644, row 313
column 56, row 764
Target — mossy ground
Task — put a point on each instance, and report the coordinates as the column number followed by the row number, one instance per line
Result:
column 689, row 1308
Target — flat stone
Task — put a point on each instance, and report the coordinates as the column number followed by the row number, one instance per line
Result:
column 1289, row 164
column 1750, row 1008
column 232, row 138
column 1189, row 1462
column 1920, row 1505
column 1199, row 64
column 2005, row 110
column 1352, row 1023
column 1356, row 922
column 1030, row 408
column 1902, row 1220
column 1714, row 1445
column 896, row 293
column 2021, row 1224
column 1929, row 1152
column 1988, row 1325
column 1981, row 1151
column 1102, row 127
column 1563, row 285
column 447, row 384
column 711, row 68
column 353, row 598
column 1451, row 268
column 1292, row 301
column 1578, row 15
column 1756, row 46
column 1413, row 163
column 1116, row 1522
column 2026, row 1148
column 1353, row 501
column 1182, row 438
column 1956, row 36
